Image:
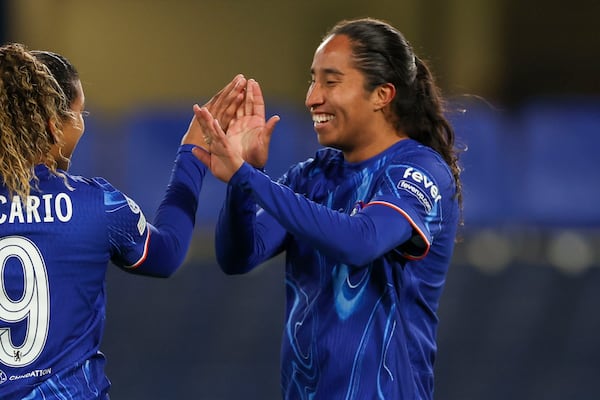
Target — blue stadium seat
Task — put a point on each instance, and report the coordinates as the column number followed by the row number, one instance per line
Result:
column 482, row 129
column 562, row 138
column 294, row 138
column 153, row 135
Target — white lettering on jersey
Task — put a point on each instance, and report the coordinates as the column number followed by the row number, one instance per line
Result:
column 16, row 212
column 48, row 208
column 63, row 207
column 421, row 186
column 413, row 189
column 32, row 374
column 419, row 177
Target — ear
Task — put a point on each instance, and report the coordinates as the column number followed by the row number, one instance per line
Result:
column 53, row 129
column 383, row 95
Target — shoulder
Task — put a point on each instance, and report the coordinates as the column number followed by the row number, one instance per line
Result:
column 316, row 166
column 97, row 187
column 411, row 149
column 416, row 157
column 324, row 159
column 94, row 184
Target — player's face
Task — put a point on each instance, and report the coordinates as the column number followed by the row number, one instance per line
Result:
column 341, row 108
column 73, row 129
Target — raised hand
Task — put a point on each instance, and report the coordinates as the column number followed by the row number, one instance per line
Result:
column 249, row 127
column 247, row 138
column 223, row 106
column 225, row 156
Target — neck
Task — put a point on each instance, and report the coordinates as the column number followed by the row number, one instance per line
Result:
column 373, row 147
column 61, row 161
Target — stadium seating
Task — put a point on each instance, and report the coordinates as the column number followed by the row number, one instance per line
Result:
column 152, row 136
column 484, row 131
column 562, row 138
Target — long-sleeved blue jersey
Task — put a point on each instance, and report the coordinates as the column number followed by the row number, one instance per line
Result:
column 368, row 247
column 54, row 250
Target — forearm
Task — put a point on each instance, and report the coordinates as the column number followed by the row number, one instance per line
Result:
column 244, row 239
column 171, row 232
column 335, row 234
column 234, row 234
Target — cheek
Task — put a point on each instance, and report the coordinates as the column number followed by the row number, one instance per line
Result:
column 73, row 133
column 80, row 126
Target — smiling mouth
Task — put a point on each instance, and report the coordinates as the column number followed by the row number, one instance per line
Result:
column 322, row 118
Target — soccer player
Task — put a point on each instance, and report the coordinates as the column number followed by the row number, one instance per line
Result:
column 58, row 232
column 368, row 225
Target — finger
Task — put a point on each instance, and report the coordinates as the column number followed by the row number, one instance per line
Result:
column 202, row 155
column 216, row 102
column 213, row 127
column 231, row 101
column 204, row 119
column 193, row 135
column 249, row 103
column 239, row 112
column 258, row 101
column 225, row 153
column 270, row 126
column 226, row 101
column 230, row 112
column 200, row 119
column 218, row 132
column 218, row 138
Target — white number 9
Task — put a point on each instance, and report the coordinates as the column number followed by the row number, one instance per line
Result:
column 34, row 303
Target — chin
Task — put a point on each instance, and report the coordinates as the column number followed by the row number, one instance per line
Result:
column 330, row 143
column 323, row 140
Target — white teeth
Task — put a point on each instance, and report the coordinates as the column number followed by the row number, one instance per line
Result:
column 319, row 118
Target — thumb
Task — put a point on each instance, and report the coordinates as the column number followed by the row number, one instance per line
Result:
column 270, row 125
column 203, row 155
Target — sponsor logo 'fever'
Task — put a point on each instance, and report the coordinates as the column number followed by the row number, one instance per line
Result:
column 427, row 197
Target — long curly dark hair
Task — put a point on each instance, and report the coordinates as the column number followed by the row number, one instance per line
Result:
column 30, row 100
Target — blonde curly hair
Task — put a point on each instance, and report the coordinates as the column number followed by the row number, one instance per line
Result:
column 31, row 100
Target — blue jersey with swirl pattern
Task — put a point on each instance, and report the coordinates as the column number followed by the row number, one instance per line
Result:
column 54, row 255
column 368, row 246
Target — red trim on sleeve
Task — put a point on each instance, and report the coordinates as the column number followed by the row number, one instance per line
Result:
column 144, row 255
column 412, row 223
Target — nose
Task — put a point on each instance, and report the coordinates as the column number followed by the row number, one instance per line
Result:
column 314, row 96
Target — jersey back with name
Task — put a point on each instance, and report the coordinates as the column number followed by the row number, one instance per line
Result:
column 54, row 251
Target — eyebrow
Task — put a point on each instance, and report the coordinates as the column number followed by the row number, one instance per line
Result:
column 328, row 71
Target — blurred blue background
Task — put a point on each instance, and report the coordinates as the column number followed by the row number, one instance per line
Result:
column 518, row 315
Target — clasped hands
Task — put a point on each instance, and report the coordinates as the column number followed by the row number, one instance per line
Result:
column 231, row 128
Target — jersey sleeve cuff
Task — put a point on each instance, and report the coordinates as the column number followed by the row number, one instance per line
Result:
column 419, row 244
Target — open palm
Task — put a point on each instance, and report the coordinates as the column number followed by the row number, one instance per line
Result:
column 249, row 133
column 247, row 138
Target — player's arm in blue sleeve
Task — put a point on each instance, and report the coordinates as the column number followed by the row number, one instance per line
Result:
column 336, row 234
column 167, row 240
column 245, row 238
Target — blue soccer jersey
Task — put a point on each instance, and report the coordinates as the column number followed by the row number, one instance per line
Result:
column 368, row 247
column 54, row 252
